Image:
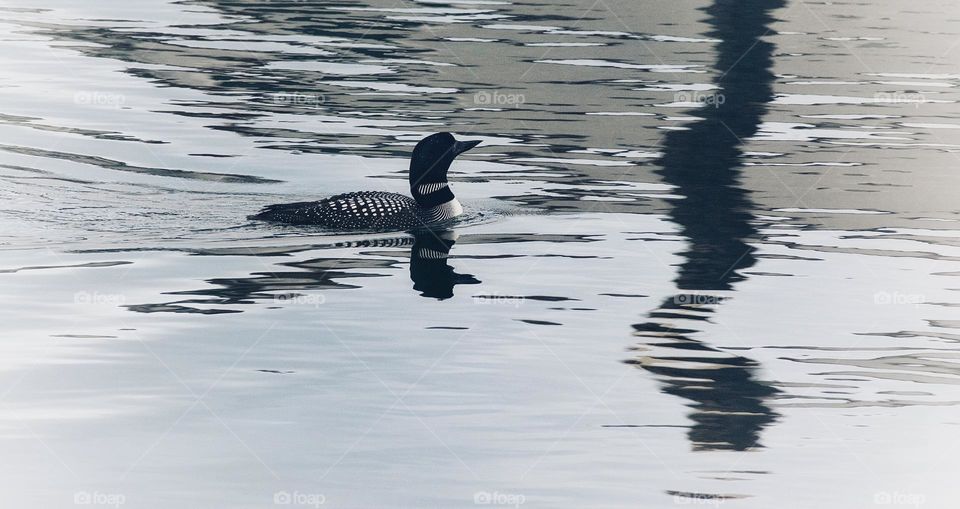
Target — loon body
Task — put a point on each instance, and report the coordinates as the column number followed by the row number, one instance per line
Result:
column 432, row 201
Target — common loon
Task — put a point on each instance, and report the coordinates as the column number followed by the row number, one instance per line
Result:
column 378, row 210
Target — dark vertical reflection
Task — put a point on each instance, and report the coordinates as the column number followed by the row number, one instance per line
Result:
column 429, row 271
column 729, row 404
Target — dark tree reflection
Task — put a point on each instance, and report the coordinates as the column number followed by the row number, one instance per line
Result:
column 728, row 402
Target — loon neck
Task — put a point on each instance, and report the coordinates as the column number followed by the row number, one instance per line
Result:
column 431, row 194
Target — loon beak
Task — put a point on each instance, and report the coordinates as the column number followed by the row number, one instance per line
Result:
column 463, row 146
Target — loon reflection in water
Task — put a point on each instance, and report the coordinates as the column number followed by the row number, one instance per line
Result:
column 728, row 402
column 429, row 271
column 432, row 201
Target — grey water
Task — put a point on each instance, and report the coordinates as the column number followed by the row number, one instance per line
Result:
column 709, row 255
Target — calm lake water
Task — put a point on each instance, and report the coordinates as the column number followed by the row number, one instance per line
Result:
column 709, row 257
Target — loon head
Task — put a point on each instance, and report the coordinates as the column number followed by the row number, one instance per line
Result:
column 428, row 168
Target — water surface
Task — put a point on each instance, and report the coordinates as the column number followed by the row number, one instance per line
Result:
column 709, row 256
